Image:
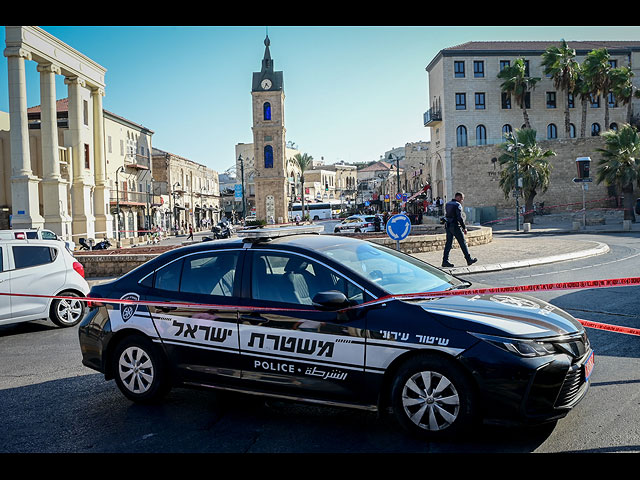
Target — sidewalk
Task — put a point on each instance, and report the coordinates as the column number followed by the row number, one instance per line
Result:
column 548, row 241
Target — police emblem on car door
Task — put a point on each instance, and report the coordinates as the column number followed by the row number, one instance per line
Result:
column 285, row 340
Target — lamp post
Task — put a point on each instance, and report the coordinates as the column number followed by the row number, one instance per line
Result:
column 391, row 157
column 514, row 148
column 175, row 207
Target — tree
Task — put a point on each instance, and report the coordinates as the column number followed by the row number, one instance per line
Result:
column 560, row 63
column 597, row 70
column 303, row 162
column 518, row 84
column 619, row 165
column 623, row 88
column 533, row 167
column 584, row 90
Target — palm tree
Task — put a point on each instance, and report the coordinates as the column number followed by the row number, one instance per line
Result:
column 533, row 167
column 585, row 90
column 623, row 88
column 303, row 162
column 619, row 165
column 518, row 84
column 560, row 63
column 597, row 70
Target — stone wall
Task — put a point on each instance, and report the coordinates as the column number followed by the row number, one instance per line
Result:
column 111, row 265
column 477, row 175
column 433, row 242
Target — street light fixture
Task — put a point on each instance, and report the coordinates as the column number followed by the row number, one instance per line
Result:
column 391, row 157
column 118, row 170
column 514, row 148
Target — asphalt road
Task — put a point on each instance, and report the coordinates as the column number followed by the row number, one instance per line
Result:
column 53, row 404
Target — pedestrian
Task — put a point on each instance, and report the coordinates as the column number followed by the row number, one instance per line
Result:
column 376, row 223
column 455, row 227
column 190, row 232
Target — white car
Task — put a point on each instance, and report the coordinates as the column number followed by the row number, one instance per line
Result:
column 356, row 224
column 29, row 268
column 33, row 234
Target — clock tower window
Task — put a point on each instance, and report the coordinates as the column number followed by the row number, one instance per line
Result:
column 267, row 111
column 268, row 156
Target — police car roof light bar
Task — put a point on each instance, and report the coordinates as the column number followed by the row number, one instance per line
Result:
column 257, row 234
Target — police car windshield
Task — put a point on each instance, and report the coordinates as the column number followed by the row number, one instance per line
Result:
column 394, row 272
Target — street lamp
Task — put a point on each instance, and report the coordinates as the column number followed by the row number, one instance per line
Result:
column 514, row 148
column 391, row 157
column 175, row 207
column 241, row 160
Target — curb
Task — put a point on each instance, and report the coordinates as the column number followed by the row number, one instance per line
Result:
column 600, row 249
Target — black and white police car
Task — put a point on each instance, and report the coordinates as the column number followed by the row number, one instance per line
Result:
column 302, row 316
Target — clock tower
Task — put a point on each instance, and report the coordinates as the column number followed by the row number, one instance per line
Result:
column 271, row 184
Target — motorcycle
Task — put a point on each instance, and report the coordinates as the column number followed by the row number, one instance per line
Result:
column 103, row 245
column 222, row 230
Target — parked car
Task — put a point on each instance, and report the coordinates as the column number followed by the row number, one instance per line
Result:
column 33, row 234
column 356, row 224
column 309, row 317
column 40, row 267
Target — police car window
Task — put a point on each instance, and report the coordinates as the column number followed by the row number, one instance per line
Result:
column 32, row 235
column 168, row 277
column 31, row 256
column 295, row 279
column 49, row 235
column 211, row 273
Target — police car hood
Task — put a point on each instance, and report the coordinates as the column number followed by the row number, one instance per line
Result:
column 512, row 315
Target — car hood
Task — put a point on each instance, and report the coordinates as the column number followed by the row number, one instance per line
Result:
column 511, row 315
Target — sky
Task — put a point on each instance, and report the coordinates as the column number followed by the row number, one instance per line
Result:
column 351, row 93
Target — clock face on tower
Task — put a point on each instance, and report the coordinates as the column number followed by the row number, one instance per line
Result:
column 266, row 84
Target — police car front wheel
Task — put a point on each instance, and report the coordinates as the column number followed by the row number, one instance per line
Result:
column 432, row 397
column 140, row 370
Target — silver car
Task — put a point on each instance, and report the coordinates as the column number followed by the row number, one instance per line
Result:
column 356, row 224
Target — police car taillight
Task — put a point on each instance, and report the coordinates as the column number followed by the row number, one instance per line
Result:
column 91, row 304
column 77, row 266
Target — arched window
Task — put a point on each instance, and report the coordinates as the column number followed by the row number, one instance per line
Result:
column 481, row 135
column 552, row 131
column 461, row 136
column 595, row 129
column 506, row 129
column 267, row 110
column 268, row 156
column 614, row 127
column 572, row 130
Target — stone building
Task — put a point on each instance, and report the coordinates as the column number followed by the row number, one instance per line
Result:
column 54, row 177
column 468, row 115
column 190, row 189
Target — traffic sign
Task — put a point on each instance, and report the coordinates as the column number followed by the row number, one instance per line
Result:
column 582, row 180
column 398, row 196
column 398, row 227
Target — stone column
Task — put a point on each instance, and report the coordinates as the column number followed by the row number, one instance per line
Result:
column 54, row 188
column 102, row 212
column 83, row 221
column 25, row 204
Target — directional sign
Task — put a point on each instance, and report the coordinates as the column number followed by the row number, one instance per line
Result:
column 398, row 227
column 582, row 180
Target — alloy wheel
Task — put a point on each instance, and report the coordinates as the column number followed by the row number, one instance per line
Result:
column 136, row 370
column 69, row 311
column 430, row 400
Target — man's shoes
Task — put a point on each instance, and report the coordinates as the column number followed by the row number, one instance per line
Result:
column 471, row 261
column 446, row 264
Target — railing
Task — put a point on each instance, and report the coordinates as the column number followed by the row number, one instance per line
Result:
column 432, row 115
column 134, row 197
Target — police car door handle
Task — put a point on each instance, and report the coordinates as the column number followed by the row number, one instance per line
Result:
column 254, row 318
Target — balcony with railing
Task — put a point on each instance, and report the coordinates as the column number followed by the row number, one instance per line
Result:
column 432, row 116
column 134, row 199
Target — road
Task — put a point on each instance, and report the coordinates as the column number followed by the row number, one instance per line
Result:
column 52, row 404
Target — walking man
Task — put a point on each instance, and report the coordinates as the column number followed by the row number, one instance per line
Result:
column 455, row 227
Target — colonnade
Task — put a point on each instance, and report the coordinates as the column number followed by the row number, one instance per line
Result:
column 75, row 205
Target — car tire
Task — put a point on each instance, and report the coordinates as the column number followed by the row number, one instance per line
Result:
column 432, row 398
column 65, row 312
column 336, row 230
column 140, row 370
column 357, row 230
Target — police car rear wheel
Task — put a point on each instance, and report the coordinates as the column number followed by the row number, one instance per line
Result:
column 140, row 371
column 431, row 397
column 66, row 312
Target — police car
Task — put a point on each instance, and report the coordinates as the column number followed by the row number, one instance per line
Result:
column 290, row 313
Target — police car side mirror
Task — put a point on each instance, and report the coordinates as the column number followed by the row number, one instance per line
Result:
column 330, row 300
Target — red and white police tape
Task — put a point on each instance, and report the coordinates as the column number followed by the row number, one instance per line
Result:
column 615, row 282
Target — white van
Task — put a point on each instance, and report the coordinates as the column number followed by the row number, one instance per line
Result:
column 40, row 267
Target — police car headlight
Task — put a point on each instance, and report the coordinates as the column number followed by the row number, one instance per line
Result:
column 520, row 347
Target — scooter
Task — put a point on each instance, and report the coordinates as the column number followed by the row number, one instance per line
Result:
column 222, row 230
column 103, row 245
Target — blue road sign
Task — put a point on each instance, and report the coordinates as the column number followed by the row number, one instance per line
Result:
column 398, row 196
column 398, row 227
